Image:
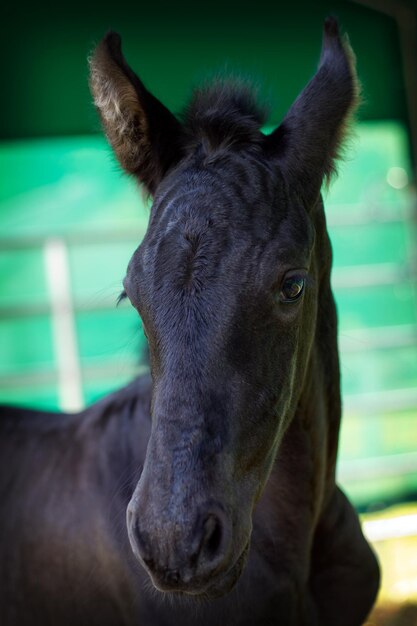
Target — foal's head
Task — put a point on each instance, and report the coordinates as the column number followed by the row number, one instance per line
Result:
column 227, row 282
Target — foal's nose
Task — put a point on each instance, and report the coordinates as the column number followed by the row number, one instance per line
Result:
column 178, row 559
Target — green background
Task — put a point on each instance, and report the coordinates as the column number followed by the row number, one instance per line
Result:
column 172, row 45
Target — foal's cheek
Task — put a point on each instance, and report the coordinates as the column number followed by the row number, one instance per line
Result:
column 256, row 451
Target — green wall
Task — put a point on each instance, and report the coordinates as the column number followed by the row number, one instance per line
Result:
column 173, row 45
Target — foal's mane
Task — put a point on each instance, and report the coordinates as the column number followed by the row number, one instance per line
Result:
column 225, row 113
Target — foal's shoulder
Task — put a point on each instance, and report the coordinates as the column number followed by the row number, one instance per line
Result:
column 19, row 417
column 134, row 395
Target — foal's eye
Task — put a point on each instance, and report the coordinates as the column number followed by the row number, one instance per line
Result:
column 292, row 288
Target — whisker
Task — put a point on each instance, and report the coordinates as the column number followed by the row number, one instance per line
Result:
column 122, row 296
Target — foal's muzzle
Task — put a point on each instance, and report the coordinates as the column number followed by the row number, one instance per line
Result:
column 179, row 556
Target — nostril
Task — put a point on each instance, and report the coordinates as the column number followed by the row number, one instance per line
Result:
column 212, row 537
column 172, row 576
column 150, row 563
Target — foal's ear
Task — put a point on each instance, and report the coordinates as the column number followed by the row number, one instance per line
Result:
column 309, row 139
column 145, row 136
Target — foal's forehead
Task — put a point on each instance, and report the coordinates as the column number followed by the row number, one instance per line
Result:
column 237, row 193
column 211, row 220
column 230, row 190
